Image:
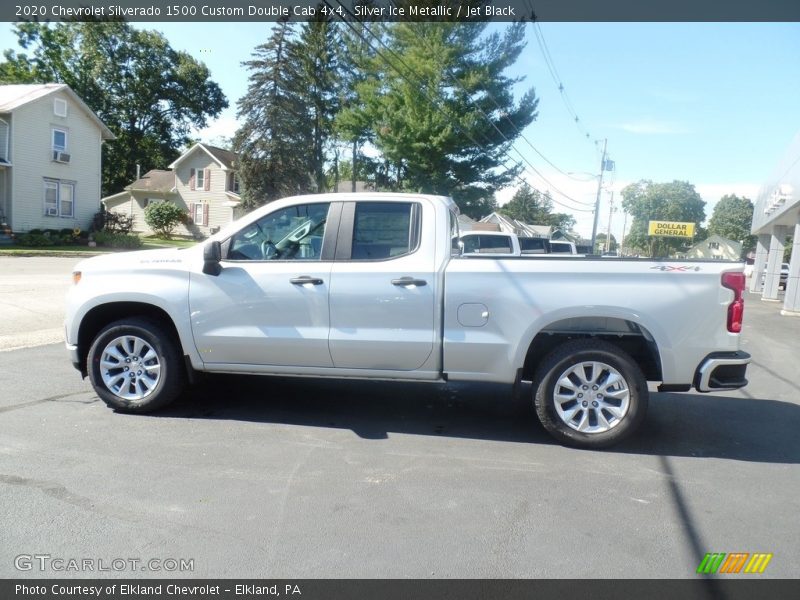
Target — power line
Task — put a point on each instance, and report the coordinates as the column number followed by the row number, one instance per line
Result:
column 551, row 66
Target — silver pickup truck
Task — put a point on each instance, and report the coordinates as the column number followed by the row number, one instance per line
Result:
column 374, row 286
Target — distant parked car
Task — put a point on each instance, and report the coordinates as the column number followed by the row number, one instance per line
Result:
column 784, row 276
column 495, row 243
column 748, row 267
column 498, row 243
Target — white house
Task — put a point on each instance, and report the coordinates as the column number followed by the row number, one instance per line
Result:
column 50, row 158
column 202, row 181
column 716, row 247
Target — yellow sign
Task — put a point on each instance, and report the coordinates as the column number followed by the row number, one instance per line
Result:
column 671, row 229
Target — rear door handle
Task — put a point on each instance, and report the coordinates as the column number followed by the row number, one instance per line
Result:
column 306, row 279
column 403, row 281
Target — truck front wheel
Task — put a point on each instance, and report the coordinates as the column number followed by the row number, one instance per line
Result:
column 134, row 366
column 590, row 394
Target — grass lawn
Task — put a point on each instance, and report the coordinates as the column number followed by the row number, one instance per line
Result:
column 154, row 242
column 148, row 243
column 53, row 251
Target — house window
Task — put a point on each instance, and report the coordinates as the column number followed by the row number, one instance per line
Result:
column 713, row 245
column 60, row 107
column 59, row 198
column 199, row 214
column 233, row 185
column 59, row 140
column 200, row 179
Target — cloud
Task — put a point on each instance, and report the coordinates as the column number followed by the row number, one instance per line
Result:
column 219, row 130
column 648, row 126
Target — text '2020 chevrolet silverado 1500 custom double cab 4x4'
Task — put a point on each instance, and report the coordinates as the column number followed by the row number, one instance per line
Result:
column 374, row 286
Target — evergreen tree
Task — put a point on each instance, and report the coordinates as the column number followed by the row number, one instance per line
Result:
column 288, row 112
column 427, row 99
column 272, row 139
column 353, row 126
column 318, row 58
column 529, row 206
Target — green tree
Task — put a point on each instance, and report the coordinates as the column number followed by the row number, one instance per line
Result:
column 647, row 201
column 732, row 218
column 563, row 221
column 149, row 94
column 602, row 246
column 443, row 111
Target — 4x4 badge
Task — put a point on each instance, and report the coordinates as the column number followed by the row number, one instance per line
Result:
column 682, row 268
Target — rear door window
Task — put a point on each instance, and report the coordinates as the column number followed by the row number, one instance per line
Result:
column 384, row 230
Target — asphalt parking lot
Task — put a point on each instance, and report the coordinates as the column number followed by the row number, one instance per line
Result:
column 281, row 478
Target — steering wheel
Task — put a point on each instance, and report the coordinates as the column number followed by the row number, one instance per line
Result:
column 269, row 250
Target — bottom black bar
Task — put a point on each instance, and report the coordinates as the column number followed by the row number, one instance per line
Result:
column 701, row 588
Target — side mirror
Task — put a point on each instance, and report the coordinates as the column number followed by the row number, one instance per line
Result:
column 212, row 254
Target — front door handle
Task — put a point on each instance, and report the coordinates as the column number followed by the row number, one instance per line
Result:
column 404, row 281
column 306, row 279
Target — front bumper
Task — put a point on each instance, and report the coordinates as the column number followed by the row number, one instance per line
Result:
column 74, row 356
column 721, row 371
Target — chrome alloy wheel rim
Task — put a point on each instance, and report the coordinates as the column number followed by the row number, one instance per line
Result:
column 130, row 367
column 591, row 397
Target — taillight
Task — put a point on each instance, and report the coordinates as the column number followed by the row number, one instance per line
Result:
column 735, row 282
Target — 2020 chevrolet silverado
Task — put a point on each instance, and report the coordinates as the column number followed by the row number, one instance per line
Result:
column 375, row 286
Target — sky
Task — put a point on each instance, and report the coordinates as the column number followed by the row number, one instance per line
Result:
column 714, row 104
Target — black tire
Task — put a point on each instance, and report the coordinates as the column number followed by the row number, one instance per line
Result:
column 571, row 354
column 162, row 390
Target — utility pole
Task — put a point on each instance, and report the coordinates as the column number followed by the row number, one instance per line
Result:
column 624, row 227
column 610, row 211
column 599, row 188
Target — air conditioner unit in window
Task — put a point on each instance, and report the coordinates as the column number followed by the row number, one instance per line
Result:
column 52, row 211
column 61, row 157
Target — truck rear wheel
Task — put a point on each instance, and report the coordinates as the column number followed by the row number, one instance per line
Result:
column 590, row 394
column 134, row 366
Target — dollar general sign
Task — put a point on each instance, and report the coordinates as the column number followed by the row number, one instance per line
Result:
column 671, row 229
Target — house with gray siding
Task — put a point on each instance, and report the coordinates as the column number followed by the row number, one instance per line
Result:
column 50, row 158
column 202, row 181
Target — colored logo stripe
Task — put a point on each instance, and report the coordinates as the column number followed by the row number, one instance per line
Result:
column 758, row 563
column 734, row 562
column 717, row 561
column 711, row 562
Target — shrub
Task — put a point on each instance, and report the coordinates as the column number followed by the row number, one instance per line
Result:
column 118, row 223
column 35, row 240
column 163, row 217
column 117, row 240
column 104, row 220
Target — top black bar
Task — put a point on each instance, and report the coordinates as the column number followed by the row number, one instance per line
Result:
column 403, row 10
